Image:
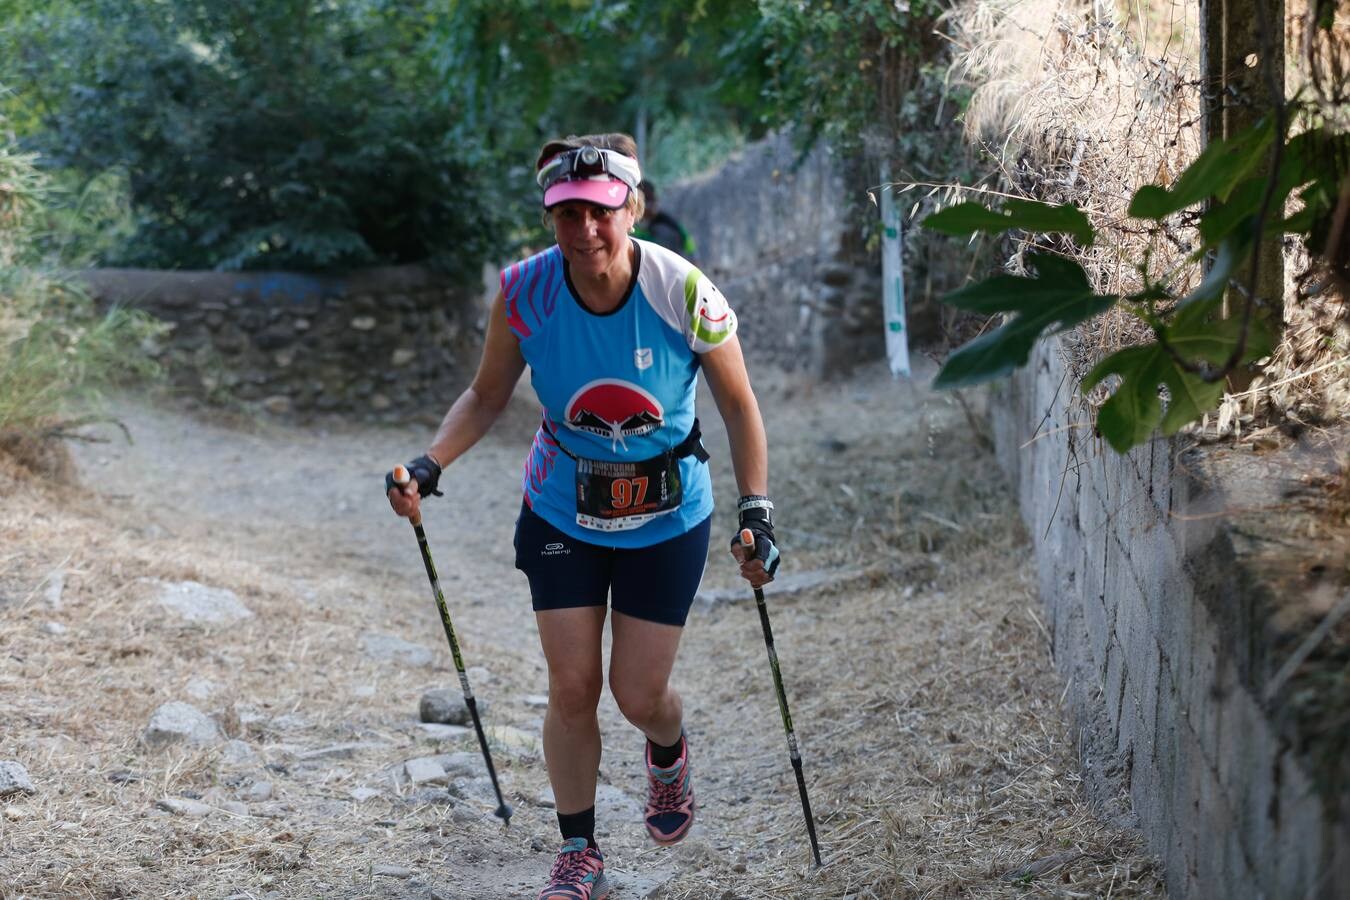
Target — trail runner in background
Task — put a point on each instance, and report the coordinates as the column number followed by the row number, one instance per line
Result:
column 660, row 227
column 617, row 498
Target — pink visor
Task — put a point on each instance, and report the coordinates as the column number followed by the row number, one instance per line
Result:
column 610, row 193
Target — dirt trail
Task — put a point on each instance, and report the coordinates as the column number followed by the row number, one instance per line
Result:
column 938, row 761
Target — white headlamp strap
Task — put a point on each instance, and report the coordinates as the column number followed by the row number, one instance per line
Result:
column 624, row 167
column 564, row 165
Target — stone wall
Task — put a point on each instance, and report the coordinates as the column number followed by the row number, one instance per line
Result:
column 775, row 235
column 1161, row 624
column 292, row 343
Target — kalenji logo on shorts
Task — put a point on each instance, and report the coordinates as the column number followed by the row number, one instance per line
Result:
column 555, row 549
column 614, row 409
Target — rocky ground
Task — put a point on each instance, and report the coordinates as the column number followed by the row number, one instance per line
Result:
column 215, row 650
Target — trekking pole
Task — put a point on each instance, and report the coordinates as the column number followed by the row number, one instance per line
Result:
column 748, row 541
column 401, row 477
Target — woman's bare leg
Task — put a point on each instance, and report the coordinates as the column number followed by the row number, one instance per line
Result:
column 640, row 664
column 571, row 641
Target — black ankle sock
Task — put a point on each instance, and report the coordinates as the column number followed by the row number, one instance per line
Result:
column 578, row 825
column 664, row 757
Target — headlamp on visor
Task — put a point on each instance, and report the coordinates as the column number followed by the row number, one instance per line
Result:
column 588, row 164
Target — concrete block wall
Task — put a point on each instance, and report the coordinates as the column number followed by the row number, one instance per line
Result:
column 1159, row 632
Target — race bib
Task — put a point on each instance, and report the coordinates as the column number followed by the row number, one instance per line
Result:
column 619, row 496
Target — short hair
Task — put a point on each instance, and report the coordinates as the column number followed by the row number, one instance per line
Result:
column 614, row 140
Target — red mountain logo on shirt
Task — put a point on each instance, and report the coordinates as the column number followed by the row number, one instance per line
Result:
column 614, row 409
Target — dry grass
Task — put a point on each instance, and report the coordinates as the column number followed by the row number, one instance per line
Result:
column 937, row 755
column 1084, row 104
column 938, row 758
column 74, row 706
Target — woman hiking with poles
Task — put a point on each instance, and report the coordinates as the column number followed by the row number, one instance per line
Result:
column 617, row 498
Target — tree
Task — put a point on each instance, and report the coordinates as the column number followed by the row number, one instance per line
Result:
column 530, row 70
column 263, row 133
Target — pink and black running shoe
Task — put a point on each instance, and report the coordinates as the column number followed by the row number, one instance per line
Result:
column 670, row 798
column 578, row 873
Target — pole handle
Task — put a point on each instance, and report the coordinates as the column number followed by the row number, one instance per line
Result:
column 747, row 536
column 401, row 478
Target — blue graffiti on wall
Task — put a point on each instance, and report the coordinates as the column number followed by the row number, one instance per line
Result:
column 289, row 288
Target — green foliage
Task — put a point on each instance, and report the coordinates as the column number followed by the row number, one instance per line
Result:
column 873, row 78
column 1214, row 173
column 525, row 71
column 85, row 219
column 846, row 68
column 292, row 134
column 680, row 146
column 315, row 135
column 1194, row 348
column 1135, row 408
column 1057, row 299
column 535, row 66
column 1028, row 215
column 57, row 352
column 56, row 349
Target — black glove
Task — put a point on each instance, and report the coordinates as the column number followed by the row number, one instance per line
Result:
column 756, row 514
column 424, row 470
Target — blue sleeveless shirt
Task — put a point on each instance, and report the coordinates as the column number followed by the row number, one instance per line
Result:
column 616, row 386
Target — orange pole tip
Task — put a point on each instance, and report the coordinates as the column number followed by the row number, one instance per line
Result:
column 747, row 537
column 401, row 476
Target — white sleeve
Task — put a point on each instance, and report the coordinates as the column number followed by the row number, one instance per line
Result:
column 685, row 298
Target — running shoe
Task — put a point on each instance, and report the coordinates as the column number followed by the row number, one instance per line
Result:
column 578, row 873
column 670, row 798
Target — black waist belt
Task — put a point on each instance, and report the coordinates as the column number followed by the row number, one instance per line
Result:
column 692, row 445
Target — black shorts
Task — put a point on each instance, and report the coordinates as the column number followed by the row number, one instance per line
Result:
column 655, row 583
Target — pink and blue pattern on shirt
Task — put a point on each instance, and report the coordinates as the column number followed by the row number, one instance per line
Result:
column 539, row 462
column 532, row 288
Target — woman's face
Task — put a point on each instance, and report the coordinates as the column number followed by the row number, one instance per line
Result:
column 593, row 239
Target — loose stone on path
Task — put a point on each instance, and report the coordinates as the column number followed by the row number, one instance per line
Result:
column 447, row 707
column 14, row 779
column 391, row 871
column 194, row 602
column 425, row 769
column 179, row 722
column 257, row 792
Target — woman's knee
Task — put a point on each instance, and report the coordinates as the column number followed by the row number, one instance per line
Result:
column 575, row 695
column 639, row 703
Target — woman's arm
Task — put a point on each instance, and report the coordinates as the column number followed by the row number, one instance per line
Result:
column 474, row 411
column 724, row 367
column 729, row 382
